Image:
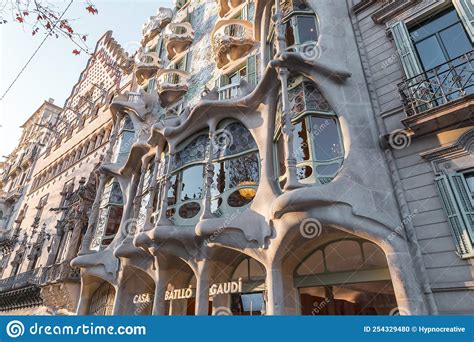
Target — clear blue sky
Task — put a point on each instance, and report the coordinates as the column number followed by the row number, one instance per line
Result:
column 55, row 70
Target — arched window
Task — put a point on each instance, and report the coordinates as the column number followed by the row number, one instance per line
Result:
column 317, row 138
column 187, row 179
column 110, row 216
column 301, row 28
column 126, row 138
column 102, row 300
column 236, row 168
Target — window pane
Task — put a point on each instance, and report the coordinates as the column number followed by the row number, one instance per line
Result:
column 307, row 29
column 281, row 156
column 173, row 190
column 470, row 182
column 300, row 142
column 218, row 184
column 326, row 139
column 289, row 34
column 430, row 53
column 456, row 41
column 243, row 171
column 192, row 183
column 432, row 26
column 113, row 224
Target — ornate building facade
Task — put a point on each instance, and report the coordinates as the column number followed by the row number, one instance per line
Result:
column 45, row 229
column 283, row 157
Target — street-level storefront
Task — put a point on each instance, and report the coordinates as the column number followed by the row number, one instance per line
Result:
column 345, row 277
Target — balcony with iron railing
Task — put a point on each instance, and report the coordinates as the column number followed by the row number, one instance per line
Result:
column 231, row 40
column 172, row 84
column 156, row 23
column 147, row 64
column 178, row 37
column 440, row 97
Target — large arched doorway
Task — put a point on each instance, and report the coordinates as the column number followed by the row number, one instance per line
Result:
column 349, row 276
column 102, row 300
column 250, row 275
column 136, row 293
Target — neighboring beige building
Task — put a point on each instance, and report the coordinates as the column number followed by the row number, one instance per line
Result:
column 287, row 157
column 59, row 189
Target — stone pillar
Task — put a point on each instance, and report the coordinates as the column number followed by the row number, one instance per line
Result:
column 287, row 125
column 75, row 240
column 208, row 178
column 153, row 192
column 274, row 287
column 163, row 220
column 84, row 299
column 159, row 304
column 202, row 289
column 94, row 213
column 408, row 293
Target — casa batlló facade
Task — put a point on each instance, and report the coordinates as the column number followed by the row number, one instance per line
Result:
column 288, row 157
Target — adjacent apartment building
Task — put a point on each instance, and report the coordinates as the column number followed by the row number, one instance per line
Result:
column 287, row 157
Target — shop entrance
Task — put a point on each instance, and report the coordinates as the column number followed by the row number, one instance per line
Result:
column 345, row 277
column 102, row 300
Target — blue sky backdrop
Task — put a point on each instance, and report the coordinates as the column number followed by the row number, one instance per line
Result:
column 55, row 70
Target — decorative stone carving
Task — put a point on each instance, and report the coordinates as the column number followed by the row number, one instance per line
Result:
column 156, row 23
column 178, row 37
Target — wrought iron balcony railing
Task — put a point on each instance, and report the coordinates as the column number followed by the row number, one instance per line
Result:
column 441, row 85
column 21, row 280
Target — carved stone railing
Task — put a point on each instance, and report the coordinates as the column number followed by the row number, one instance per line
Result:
column 63, row 272
column 178, row 37
column 138, row 102
column 225, row 6
column 147, row 64
column 21, row 280
column 439, row 86
column 155, row 24
column 172, row 84
column 230, row 91
column 232, row 40
column 13, row 195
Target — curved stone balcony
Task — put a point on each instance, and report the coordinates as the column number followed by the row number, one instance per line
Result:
column 232, row 39
column 172, row 85
column 147, row 66
column 155, row 24
column 178, row 37
column 225, row 6
column 138, row 102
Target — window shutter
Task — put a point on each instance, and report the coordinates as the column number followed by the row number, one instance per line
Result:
column 222, row 81
column 252, row 77
column 187, row 61
column 463, row 196
column 455, row 218
column 406, row 50
column 465, row 9
column 159, row 46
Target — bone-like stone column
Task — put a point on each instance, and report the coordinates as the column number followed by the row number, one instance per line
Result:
column 408, row 293
column 153, row 191
column 209, row 176
column 89, row 235
column 287, row 125
column 275, row 294
column 159, row 304
column 163, row 220
column 202, row 289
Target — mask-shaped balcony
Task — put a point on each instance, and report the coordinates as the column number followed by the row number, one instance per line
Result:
column 225, row 6
column 156, row 24
column 147, row 65
column 138, row 102
column 232, row 40
column 172, row 85
column 178, row 37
